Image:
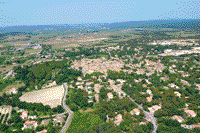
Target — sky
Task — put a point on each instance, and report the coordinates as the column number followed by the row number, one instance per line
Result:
column 47, row 12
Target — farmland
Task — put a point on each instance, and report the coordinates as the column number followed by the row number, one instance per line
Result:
column 51, row 96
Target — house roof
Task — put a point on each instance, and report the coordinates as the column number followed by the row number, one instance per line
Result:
column 97, row 97
column 178, row 118
column 45, row 122
column 190, row 112
column 25, row 112
column 156, row 107
column 110, row 94
column 30, row 122
column 134, row 111
column 149, row 91
column 118, row 119
column 43, row 131
column 196, row 125
column 149, row 99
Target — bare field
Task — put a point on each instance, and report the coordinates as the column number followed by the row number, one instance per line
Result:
column 51, row 96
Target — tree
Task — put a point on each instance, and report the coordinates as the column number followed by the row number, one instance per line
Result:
column 150, row 126
column 170, row 122
column 125, row 126
column 60, row 109
column 15, row 119
column 166, row 70
column 74, row 107
column 192, row 121
column 3, row 127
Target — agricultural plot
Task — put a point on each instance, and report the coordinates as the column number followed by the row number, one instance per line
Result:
column 5, row 112
column 51, row 96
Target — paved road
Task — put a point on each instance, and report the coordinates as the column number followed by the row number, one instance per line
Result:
column 147, row 115
column 9, row 73
column 52, row 115
column 68, row 121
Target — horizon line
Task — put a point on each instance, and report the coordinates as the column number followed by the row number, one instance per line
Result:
column 97, row 23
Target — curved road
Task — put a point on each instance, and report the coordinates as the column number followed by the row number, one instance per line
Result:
column 68, row 121
column 147, row 115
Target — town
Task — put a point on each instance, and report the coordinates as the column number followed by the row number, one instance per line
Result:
column 136, row 80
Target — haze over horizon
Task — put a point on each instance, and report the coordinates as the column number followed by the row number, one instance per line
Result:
column 48, row 12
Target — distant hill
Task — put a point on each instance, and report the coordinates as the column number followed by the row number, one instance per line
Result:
column 188, row 23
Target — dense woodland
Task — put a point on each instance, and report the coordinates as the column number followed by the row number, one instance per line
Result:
column 40, row 73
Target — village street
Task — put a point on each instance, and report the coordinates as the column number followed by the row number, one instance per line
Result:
column 68, row 121
column 147, row 115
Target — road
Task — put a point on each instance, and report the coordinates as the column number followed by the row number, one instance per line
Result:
column 52, row 115
column 147, row 115
column 8, row 74
column 68, row 121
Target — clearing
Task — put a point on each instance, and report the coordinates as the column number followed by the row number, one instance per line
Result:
column 51, row 96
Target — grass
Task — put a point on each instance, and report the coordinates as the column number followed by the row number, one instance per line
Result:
column 83, row 121
column 6, row 67
column 7, row 88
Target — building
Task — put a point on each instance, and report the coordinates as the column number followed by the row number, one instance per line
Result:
column 149, row 92
column 110, row 95
column 178, row 118
column 45, row 122
column 149, row 99
column 43, row 131
column 58, row 119
column 121, row 81
column 30, row 124
column 177, row 94
column 32, row 117
column 190, row 126
column 96, row 97
column 190, row 113
column 154, row 108
column 13, row 90
column 144, row 123
column 118, row 119
column 79, row 79
column 195, row 125
column 144, row 85
column 174, row 86
column 90, row 101
column 89, row 92
column 185, row 82
column 135, row 111
column 24, row 115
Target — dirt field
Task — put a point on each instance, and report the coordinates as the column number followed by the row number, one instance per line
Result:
column 51, row 96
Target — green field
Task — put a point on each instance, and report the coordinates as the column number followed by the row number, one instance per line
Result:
column 7, row 88
column 83, row 121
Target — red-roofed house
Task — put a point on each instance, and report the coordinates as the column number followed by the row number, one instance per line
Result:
column 178, row 118
column 144, row 85
column 190, row 113
column 43, row 131
column 135, row 111
column 30, row 124
column 110, row 95
column 149, row 99
column 118, row 119
column 24, row 115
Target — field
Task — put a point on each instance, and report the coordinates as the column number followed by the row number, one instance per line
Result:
column 83, row 121
column 6, row 90
column 51, row 96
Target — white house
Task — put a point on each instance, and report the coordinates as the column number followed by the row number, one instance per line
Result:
column 110, row 95
column 135, row 111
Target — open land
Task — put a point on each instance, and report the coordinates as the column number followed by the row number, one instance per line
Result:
column 51, row 96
